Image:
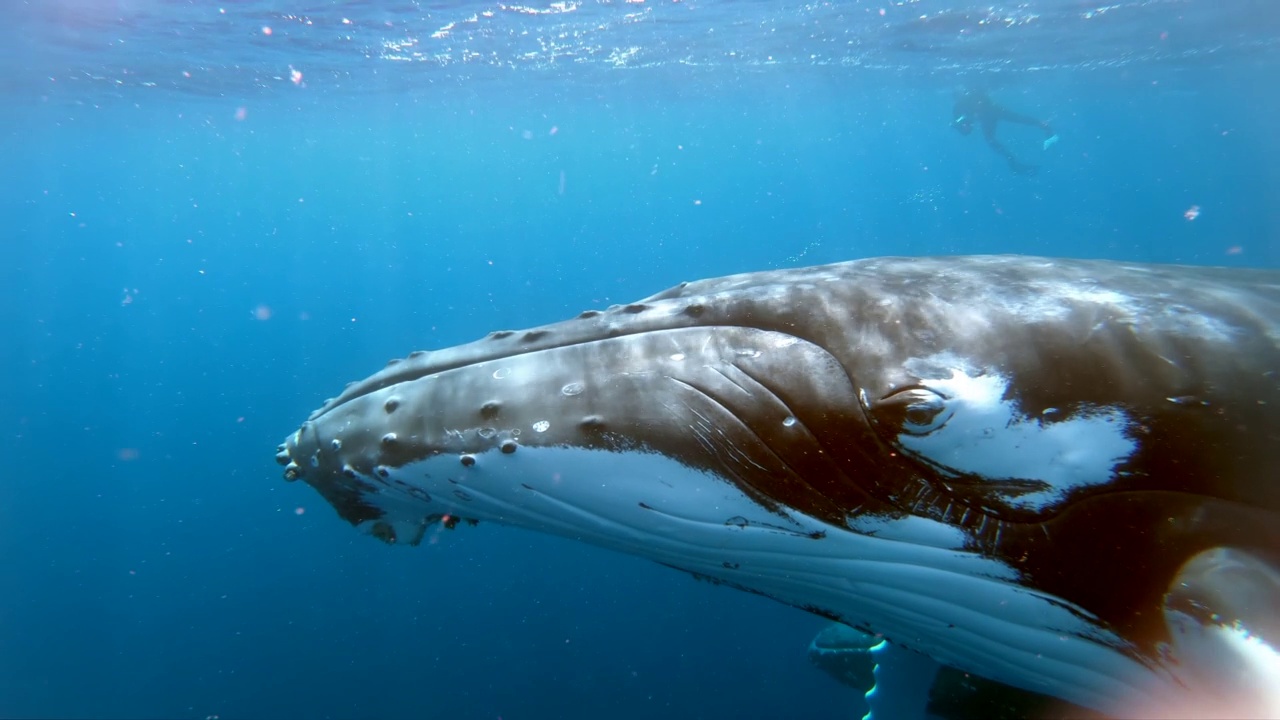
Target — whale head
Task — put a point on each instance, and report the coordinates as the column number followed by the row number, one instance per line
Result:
column 1007, row 464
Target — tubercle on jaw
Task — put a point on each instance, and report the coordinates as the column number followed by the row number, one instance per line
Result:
column 392, row 450
column 387, row 452
column 506, row 445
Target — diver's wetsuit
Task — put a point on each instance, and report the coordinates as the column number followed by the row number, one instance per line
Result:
column 974, row 106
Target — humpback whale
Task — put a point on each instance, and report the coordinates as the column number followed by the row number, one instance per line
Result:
column 1058, row 475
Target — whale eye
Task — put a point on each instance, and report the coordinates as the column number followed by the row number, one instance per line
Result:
column 913, row 411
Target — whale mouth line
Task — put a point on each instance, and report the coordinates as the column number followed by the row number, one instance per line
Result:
column 704, row 430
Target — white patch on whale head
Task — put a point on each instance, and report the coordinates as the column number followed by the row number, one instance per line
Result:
column 980, row 431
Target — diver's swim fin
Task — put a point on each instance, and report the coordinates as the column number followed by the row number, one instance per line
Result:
column 1049, row 141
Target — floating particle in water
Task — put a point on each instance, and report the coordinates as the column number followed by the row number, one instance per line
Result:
column 1192, row 213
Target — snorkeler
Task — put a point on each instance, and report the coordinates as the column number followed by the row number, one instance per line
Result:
column 974, row 106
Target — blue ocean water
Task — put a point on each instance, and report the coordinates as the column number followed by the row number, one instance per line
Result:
column 216, row 214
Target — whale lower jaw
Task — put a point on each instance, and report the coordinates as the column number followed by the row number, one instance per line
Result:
column 908, row 581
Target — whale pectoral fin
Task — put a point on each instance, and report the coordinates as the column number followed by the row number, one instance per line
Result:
column 1220, row 611
column 904, row 679
column 845, row 654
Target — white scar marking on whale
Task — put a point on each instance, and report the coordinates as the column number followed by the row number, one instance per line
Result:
column 983, row 433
